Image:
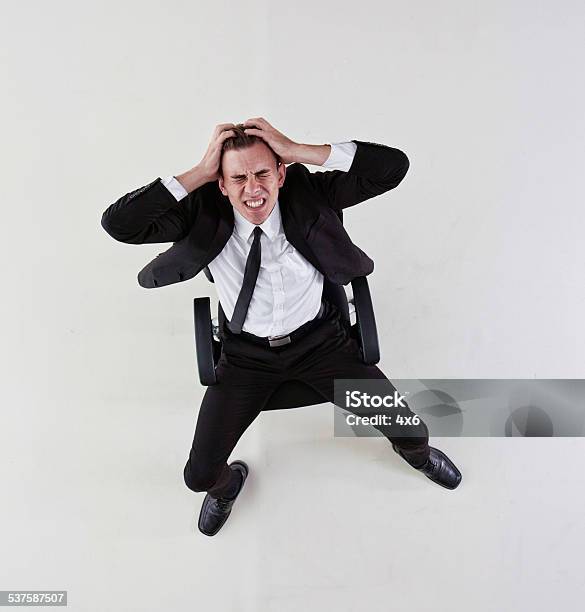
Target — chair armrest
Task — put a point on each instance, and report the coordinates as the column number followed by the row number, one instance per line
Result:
column 365, row 321
column 204, row 341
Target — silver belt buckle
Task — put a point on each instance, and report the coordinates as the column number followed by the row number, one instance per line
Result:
column 279, row 341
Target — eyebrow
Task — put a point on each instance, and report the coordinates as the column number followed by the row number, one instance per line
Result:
column 237, row 176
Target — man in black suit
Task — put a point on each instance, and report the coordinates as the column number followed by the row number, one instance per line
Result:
column 269, row 235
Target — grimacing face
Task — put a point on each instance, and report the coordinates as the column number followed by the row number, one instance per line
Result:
column 251, row 180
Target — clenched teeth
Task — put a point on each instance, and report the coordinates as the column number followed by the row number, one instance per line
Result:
column 255, row 203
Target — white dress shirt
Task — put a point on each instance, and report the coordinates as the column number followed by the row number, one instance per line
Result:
column 289, row 288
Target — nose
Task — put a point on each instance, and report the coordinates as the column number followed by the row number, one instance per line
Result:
column 252, row 185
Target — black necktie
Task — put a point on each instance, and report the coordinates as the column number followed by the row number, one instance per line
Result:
column 250, row 276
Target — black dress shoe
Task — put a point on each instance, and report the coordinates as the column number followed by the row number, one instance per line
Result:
column 439, row 468
column 215, row 511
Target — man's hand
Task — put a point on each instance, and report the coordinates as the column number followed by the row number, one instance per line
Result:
column 207, row 170
column 288, row 150
column 283, row 146
column 210, row 162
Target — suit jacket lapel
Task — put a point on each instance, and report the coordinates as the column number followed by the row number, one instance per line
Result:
column 225, row 226
column 294, row 229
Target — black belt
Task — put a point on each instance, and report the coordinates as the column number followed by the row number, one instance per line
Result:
column 275, row 341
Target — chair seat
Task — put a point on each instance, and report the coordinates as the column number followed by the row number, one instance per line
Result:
column 294, row 394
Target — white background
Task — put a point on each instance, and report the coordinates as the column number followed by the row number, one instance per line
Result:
column 478, row 257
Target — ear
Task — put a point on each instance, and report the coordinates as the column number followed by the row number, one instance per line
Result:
column 281, row 174
column 221, row 185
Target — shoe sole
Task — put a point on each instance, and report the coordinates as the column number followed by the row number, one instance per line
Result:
column 244, row 470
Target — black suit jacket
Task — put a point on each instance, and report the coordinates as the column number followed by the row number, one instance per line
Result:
column 200, row 224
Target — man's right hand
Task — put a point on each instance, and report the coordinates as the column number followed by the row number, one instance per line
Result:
column 207, row 170
column 210, row 162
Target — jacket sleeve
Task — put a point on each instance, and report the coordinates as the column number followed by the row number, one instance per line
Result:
column 375, row 169
column 147, row 215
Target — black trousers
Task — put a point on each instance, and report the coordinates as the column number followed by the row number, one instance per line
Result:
column 249, row 373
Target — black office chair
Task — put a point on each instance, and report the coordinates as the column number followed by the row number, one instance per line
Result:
column 293, row 393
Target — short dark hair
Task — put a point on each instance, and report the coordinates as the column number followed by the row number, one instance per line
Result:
column 242, row 141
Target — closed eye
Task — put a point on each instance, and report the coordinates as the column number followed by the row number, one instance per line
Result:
column 242, row 177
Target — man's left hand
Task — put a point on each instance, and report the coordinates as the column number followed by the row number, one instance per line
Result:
column 283, row 146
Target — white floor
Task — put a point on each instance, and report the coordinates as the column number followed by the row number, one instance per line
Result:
column 323, row 523
column 478, row 274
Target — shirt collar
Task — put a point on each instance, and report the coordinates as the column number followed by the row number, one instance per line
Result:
column 271, row 226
